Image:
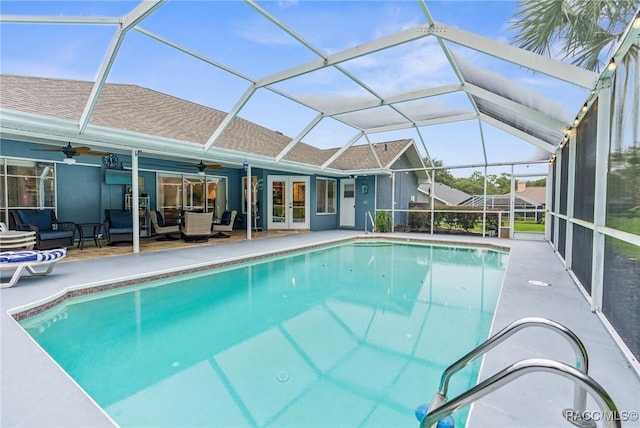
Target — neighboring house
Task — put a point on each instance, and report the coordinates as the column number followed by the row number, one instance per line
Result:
column 536, row 195
column 297, row 185
column 442, row 194
column 528, row 201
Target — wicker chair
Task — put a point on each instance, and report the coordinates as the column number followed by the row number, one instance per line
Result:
column 163, row 231
column 225, row 225
column 196, row 226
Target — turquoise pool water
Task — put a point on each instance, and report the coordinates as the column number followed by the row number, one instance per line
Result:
column 351, row 335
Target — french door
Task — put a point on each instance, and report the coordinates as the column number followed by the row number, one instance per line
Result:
column 288, row 198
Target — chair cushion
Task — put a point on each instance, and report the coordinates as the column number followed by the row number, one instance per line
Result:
column 120, row 230
column 226, row 218
column 160, row 218
column 55, row 234
column 120, row 220
column 40, row 218
column 32, row 255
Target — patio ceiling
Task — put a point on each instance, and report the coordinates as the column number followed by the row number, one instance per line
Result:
column 463, row 98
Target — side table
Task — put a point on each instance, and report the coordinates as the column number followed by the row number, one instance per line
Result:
column 82, row 230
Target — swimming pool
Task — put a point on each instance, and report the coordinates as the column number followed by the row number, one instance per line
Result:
column 350, row 335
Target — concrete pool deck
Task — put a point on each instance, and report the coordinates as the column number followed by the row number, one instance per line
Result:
column 36, row 393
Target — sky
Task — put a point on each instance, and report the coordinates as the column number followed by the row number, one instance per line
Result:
column 233, row 33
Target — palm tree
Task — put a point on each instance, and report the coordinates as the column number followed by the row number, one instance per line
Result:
column 578, row 30
column 583, row 32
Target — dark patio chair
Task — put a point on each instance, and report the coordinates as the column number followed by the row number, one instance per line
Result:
column 50, row 233
column 118, row 226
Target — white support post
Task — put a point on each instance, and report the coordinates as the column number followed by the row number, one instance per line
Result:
column 484, row 205
column 556, row 219
column 433, row 198
column 600, row 196
column 135, row 202
column 512, row 202
column 393, row 200
column 548, row 217
column 571, row 187
column 249, row 208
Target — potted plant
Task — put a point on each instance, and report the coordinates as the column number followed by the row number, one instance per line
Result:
column 383, row 221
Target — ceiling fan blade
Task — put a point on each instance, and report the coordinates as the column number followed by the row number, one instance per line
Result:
column 60, row 149
column 200, row 165
column 86, row 151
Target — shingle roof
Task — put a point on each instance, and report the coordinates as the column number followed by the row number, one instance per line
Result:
column 534, row 194
column 140, row 110
column 362, row 157
column 446, row 194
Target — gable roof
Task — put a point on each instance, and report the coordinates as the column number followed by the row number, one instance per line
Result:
column 535, row 195
column 137, row 110
column 445, row 194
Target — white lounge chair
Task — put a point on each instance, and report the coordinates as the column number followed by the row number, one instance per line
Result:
column 36, row 262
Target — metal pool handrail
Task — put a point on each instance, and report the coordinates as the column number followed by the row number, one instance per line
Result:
column 611, row 416
column 582, row 359
column 373, row 224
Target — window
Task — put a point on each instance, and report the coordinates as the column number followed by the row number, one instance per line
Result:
column 27, row 184
column 177, row 192
column 325, row 196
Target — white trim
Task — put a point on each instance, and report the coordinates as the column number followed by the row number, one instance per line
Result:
column 633, row 361
column 571, row 186
column 600, row 196
column 621, row 235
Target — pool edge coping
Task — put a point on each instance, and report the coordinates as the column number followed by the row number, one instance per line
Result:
column 39, row 306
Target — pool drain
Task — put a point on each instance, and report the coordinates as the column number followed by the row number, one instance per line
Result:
column 538, row 283
column 282, row 376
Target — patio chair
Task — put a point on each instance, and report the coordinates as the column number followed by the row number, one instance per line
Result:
column 163, row 231
column 50, row 233
column 35, row 262
column 119, row 226
column 226, row 224
column 197, row 226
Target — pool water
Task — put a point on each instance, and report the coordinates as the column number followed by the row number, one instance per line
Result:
column 356, row 334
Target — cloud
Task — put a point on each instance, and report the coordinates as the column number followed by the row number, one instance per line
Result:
column 284, row 4
column 264, row 32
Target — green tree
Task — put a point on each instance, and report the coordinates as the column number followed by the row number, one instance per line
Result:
column 473, row 185
column 537, row 183
column 443, row 176
column 579, row 30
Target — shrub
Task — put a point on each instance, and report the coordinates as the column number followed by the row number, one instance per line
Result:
column 383, row 221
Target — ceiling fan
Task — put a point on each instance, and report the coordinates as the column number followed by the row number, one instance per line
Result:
column 70, row 152
column 202, row 166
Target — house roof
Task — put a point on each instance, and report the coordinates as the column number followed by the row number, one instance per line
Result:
column 144, row 111
column 445, row 194
column 535, row 195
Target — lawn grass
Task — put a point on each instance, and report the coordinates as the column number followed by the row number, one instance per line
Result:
column 519, row 226
column 528, row 226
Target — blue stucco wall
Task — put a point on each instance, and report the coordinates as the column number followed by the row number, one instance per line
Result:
column 404, row 185
column 83, row 195
column 365, row 201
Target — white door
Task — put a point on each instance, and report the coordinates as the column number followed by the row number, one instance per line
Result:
column 348, row 202
column 288, row 198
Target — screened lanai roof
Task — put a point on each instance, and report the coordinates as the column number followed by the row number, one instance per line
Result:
column 319, row 78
